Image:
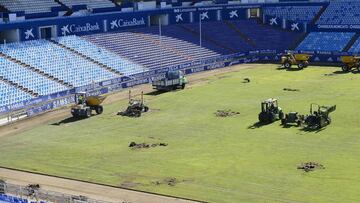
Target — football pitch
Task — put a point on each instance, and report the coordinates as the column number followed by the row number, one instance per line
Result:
column 210, row 158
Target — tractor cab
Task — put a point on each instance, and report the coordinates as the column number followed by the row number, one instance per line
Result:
column 80, row 98
column 270, row 111
column 269, row 105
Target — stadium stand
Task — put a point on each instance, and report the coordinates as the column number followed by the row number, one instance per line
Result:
column 295, row 13
column 36, row 6
column 89, row 3
column 13, row 199
column 325, row 41
column 10, row 94
column 341, row 13
column 27, row 78
column 101, row 55
column 273, row 39
column 149, row 50
column 57, row 62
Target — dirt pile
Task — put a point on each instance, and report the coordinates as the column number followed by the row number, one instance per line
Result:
column 170, row 181
column 310, row 166
column 226, row 113
column 291, row 90
column 135, row 145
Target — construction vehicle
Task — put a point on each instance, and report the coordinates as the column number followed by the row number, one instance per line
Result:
column 86, row 104
column 135, row 108
column 293, row 118
column 289, row 59
column 320, row 117
column 270, row 111
column 350, row 62
column 173, row 80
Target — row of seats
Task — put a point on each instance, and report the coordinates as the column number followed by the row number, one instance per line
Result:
column 27, row 78
column 35, row 6
column 101, row 55
column 150, row 50
column 10, row 95
column 90, row 3
column 325, row 41
column 344, row 12
column 13, row 199
column 43, row 6
column 295, row 13
column 58, row 62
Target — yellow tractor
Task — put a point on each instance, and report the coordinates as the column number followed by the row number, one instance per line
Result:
column 289, row 59
column 85, row 104
column 350, row 62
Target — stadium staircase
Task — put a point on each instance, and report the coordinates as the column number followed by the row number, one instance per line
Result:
column 108, row 68
column 318, row 15
column 241, row 34
column 18, row 86
column 298, row 41
column 69, row 11
column 351, row 42
column 205, row 37
column 36, row 70
column 3, row 9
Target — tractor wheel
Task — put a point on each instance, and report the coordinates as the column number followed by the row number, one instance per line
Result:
column 301, row 65
column 137, row 113
column 345, row 68
column 183, row 86
column 146, row 108
column 287, row 65
column 306, row 64
column 74, row 115
column 272, row 117
column 263, row 117
column 88, row 113
column 99, row 109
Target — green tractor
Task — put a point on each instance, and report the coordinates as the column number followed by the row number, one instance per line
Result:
column 318, row 118
column 84, row 105
column 270, row 111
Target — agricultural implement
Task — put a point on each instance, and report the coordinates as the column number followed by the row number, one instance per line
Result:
column 173, row 80
column 293, row 118
column 135, row 108
column 319, row 117
column 350, row 62
column 289, row 59
column 86, row 104
column 270, row 111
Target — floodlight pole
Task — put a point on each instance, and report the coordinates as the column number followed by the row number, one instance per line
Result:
column 200, row 33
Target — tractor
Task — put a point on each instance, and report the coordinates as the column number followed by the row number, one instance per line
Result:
column 86, row 104
column 135, row 108
column 270, row 111
column 293, row 118
column 350, row 62
column 318, row 118
column 173, row 80
column 289, row 59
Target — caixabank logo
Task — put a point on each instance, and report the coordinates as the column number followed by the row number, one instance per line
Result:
column 71, row 29
column 124, row 23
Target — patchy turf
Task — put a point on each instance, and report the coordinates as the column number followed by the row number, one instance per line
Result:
column 207, row 157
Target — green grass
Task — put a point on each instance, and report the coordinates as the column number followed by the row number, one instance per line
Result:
column 216, row 159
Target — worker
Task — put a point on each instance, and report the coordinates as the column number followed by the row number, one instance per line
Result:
column 80, row 99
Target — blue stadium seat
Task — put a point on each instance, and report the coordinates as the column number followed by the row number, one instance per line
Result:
column 294, row 13
column 325, row 41
column 344, row 12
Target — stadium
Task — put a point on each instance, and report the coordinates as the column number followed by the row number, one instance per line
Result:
column 179, row 101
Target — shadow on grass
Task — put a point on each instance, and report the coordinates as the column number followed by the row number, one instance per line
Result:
column 310, row 130
column 257, row 125
column 68, row 120
column 155, row 93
